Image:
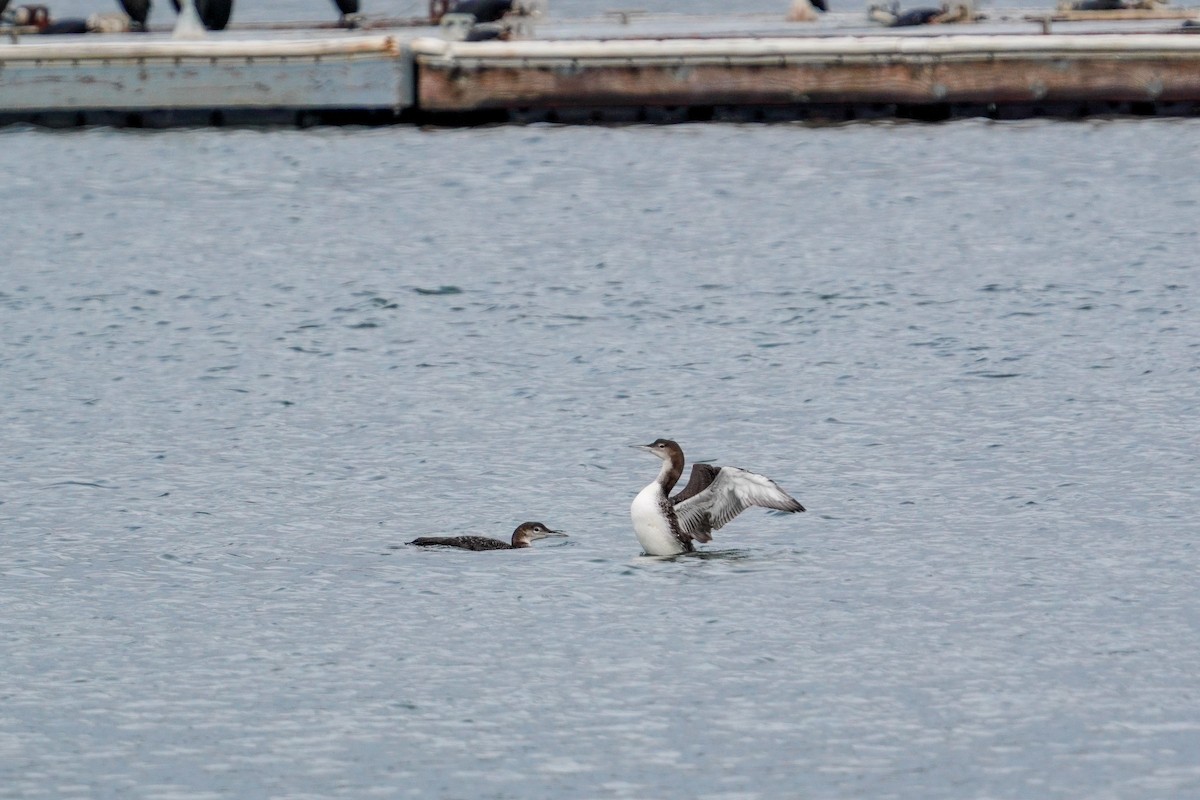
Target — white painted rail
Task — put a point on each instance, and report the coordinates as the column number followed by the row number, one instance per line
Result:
column 822, row 47
column 37, row 48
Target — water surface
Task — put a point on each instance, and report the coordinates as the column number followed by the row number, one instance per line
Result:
column 238, row 368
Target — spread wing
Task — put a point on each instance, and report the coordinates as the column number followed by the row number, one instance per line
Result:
column 730, row 492
column 702, row 475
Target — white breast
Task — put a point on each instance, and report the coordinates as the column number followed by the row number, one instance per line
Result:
column 650, row 525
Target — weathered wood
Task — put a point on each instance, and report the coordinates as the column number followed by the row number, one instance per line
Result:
column 463, row 77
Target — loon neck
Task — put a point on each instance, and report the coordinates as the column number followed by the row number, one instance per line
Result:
column 669, row 474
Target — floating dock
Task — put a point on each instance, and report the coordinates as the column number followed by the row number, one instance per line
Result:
column 137, row 80
column 652, row 69
column 836, row 77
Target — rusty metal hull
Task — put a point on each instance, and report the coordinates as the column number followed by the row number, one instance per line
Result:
column 967, row 69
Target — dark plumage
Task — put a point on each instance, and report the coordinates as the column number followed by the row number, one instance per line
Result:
column 462, row 542
column 486, row 33
column 214, row 14
column 523, row 536
column 138, row 10
column 702, row 476
column 70, row 25
column 482, row 10
column 917, row 16
column 347, row 6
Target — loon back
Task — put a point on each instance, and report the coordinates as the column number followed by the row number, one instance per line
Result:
column 462, row 542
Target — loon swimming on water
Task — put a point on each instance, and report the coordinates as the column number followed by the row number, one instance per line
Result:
column 523, row 536
column 666, row 526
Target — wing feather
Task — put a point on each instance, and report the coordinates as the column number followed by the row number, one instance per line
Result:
column 730, row 493
column 702, row 475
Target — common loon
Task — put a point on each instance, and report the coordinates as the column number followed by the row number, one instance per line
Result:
column 523, row 536
column 666, row 526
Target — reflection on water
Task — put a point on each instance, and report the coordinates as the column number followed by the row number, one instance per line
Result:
column 699, row 555
column 231, row 389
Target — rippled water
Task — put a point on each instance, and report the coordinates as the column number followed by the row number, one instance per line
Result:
column 239, row 369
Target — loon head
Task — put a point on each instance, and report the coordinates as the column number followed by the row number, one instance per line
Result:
column 527, row 532
column 672, row 456
column 665, row 449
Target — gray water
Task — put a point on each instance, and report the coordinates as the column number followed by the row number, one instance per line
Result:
column 239, row 369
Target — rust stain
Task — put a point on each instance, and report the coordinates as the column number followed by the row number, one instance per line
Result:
column 926, row 81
